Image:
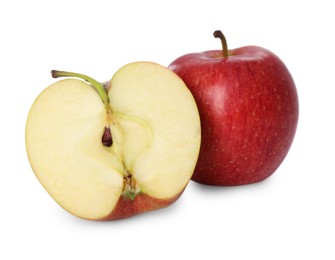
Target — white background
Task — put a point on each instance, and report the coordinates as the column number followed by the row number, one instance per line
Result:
column 288, row 216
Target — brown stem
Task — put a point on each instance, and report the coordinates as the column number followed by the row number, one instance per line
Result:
column 219, row 34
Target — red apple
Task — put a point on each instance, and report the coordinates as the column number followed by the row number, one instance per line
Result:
column 248, row 106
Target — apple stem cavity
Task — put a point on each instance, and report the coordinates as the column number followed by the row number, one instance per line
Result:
column 219, row 34
column 98, row 86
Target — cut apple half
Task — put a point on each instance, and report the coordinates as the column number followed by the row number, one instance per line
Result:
column 110, row 153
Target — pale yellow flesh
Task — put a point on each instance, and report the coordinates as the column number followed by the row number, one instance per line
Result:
column 156, row 130
column 63, row 134
column 159, row 98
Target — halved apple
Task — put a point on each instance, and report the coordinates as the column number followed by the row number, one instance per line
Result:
column 115, row 150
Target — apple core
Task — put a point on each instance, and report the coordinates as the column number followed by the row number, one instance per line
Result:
column 130, row 188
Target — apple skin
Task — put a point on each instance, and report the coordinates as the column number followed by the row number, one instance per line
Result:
column 248, row 106
column 126, row 207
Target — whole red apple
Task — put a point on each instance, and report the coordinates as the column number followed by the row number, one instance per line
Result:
column 248, row 106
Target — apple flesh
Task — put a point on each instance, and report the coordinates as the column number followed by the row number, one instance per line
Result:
column 248, row 106
column 131, row 150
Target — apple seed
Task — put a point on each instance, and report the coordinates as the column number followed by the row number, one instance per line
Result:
column 107, row 139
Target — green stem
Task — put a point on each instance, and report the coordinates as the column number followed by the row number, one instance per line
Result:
column 219, row 34
column 98, row 86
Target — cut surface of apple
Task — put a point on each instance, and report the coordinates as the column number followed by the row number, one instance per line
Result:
column 108, row 158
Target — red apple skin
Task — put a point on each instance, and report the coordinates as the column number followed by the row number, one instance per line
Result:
column 126, row 207
column 248, row 107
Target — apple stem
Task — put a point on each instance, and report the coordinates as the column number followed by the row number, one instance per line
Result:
column 219, row 34
column 98, row 86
